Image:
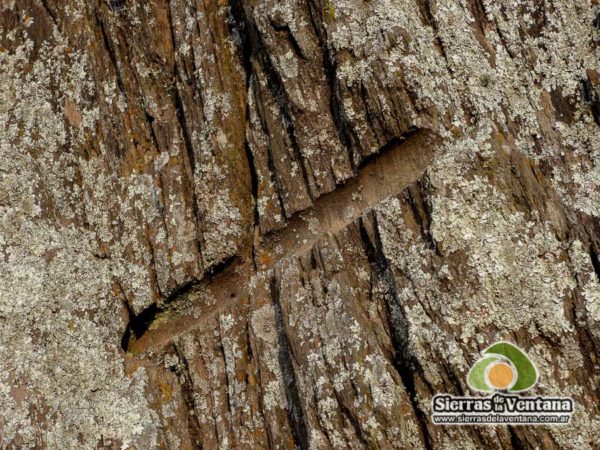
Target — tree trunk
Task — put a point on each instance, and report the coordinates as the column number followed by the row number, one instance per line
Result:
column 245, row 224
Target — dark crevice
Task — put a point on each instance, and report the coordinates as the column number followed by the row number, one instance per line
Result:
column 422, row 214
column 256, row 47
column 180, row 291
column 130, row 315
column 194, row 76
column 139, row 324
column 503, row 39
column 150, row 121
column 111, row 55
column 364, row 95
column 189, row 149
column 403, row 362
column 249, row 353
column 591, row 97
column 270, row 160
column 477, row 9
column 153, row 260
column 229, row 381
column 288, row 32
column 180, row 112
column 577, row 314
column 596, row 24
column 514, row 440
column 270, row 442
column 429, row 19
column 353, row 419
column 295, row 413
column 344, row 132
column 116, row 5
column 389, row 145
column 595, row 261
column 44, row 4
column 253, row 179
column 452, row 379
column 596, row 21
column 516, row 168
column 189, row 286
column 239, row 26
column 220, row 267
column 185, row 131
column 245, row 51
column 187, row 391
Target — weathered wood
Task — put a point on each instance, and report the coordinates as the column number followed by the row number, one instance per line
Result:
column 286, row 224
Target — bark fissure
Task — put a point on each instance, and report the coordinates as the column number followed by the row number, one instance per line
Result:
column 45, row 5
column 296, row 417
column 405, row 365
column 344, row 132
column 278, row 91
column 111, row 55
column 187, row 388
column 595, row 261
column 139, row 324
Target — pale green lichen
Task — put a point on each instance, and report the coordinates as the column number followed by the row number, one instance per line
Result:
column 57, row 305
column 515, row 274
column 63, row 384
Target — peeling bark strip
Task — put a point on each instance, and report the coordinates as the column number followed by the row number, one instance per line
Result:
column 397, row 164
column 284, row 224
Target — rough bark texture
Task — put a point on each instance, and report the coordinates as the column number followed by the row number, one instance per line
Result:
column 277, row 224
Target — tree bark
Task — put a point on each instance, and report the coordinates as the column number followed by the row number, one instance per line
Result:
column 289, row 224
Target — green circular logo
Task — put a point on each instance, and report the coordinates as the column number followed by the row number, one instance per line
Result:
column 503, row 367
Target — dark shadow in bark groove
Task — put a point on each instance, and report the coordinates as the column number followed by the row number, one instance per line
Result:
column 139, row 324
column 402, row 361
column 187, row 391
column 256, row 48
column 590, row 96
column 295, row 413
column 595, row 261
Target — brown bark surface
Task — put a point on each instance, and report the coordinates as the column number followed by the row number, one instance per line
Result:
column 288, row 224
